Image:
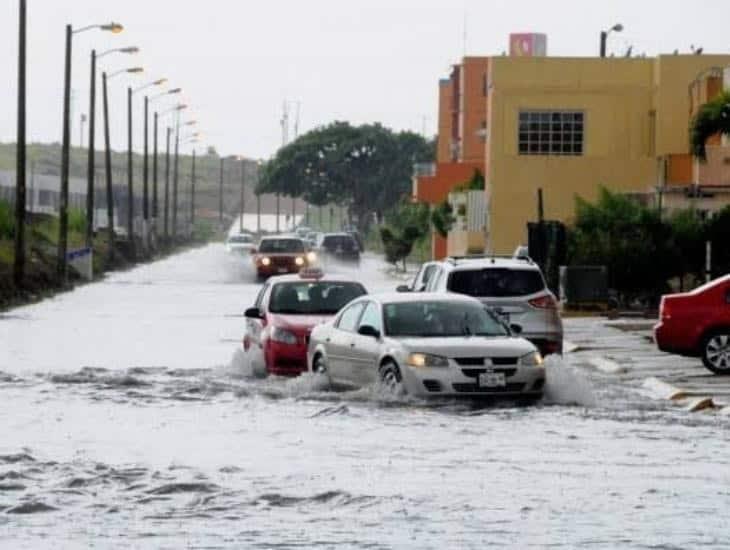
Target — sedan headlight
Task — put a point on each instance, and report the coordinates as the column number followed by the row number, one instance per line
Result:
column 532, row 359
column 426, row 360
column 299, row 261
column 283, row 336
column 265, row 261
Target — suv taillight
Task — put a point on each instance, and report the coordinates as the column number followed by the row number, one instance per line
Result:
column 544, row 302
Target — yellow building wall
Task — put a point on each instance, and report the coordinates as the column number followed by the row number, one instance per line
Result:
column 622, row 135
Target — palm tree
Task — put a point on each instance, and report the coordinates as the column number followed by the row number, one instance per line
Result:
column 712, row 118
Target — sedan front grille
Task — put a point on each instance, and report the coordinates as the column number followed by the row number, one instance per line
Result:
column 474, row 373
column 476, row 388
column 479, row 361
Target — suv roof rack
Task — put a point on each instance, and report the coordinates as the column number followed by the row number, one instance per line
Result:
column 493, row 257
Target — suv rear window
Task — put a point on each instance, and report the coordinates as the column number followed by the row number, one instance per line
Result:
column 345, row 242
column 496, row 282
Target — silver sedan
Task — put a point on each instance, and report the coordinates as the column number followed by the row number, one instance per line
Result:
column 426, row 345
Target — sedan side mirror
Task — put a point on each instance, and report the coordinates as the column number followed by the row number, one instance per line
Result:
column 367, row 330
column 403, row 288
column 516, row 329
column 253, row 313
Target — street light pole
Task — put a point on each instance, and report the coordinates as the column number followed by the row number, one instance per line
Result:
column 145, row 176
column 175, row 179
column 167, row 186
column 20, row 159
column 618, row 27
column 108, row 166
column 130, row 176
column 62, row 268
column 91, row 160
column 154, row 173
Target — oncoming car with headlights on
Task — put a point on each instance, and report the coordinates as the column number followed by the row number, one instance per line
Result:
column 286, row 309
column 427, row 345
column 280, row 255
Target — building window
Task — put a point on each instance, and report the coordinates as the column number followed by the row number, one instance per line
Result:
column 551, row 133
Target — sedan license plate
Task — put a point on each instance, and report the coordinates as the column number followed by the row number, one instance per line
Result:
column 283, row 270
column 492, row 380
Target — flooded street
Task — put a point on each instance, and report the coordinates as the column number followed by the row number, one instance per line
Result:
column 129, row 421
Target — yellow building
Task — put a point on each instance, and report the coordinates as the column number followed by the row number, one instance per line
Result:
column 571, row 125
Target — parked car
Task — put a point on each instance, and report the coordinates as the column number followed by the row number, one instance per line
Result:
column 286, row 309
column 278, row 255
column 339, row 246
column 420, row 281
column 697, row 324
column 514, row 287
column 241, row 243
column 426, row 345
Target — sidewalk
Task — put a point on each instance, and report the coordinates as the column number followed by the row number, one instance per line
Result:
column 624, row 349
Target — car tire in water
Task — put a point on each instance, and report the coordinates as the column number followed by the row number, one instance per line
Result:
column 716, row 351
column 391, row 379
column 319, row 367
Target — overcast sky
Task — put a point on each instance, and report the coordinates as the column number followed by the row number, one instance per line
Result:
column 362, row 61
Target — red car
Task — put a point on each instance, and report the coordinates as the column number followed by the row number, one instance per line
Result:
column 286, row 310
column 697, row 324
column 277, row 255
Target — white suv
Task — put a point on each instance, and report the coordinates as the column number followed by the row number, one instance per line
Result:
column 513, row 287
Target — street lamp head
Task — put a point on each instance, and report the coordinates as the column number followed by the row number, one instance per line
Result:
column 174, row 91
column 191, row 122
column 114, row 28
column 618, row 27
column 130, row 50
column 159, row 82
column 181, row 107
column 135, row 70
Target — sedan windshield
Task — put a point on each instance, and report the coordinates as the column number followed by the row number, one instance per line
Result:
column 310, row 298
column 432, row 319
column 281, row 246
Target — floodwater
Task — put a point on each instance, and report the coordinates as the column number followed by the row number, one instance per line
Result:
column 128, row 421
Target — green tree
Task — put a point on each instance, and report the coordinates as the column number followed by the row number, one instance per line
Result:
column 405, row 226
column 718, row 233
column 366, row 167
column 627, row 237
column 688, row 244
column 712, row 118
column 443, row 218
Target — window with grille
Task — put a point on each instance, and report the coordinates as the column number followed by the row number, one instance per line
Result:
column 551, row 133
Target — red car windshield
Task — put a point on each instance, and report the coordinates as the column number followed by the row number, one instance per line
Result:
column 313, row 298
column 281, row 246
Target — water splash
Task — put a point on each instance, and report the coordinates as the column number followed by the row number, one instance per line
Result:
column 567, row 386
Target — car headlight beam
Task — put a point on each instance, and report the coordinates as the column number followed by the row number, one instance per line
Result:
column 299, row 261
column 426, row 360
column 265, row 261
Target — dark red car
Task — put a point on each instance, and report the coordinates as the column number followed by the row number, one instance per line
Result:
column 279, row 255
column 286, row 310
column 697, row 324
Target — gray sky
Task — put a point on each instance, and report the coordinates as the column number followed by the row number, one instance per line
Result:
column 379, row 60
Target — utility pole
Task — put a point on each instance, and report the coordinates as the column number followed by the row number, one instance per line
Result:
column 20, row 158
column 90, row 169
column 155, row 198
column 62, row 267
column 108, row 166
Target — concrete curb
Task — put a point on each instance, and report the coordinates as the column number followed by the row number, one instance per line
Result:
column 691, row 403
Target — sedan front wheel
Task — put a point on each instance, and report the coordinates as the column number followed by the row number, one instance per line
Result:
column 391, row 379
column 716, row 352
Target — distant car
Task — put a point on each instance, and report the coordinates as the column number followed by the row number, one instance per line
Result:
column 513, row 287
column 358, row 239
column 242, row 243
column 286, row 310
column 302, row 231
column 421, row 279
column 311, row 239
column 697, row 324
column 339, row 246
column 426, row 345
column 281, row 255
